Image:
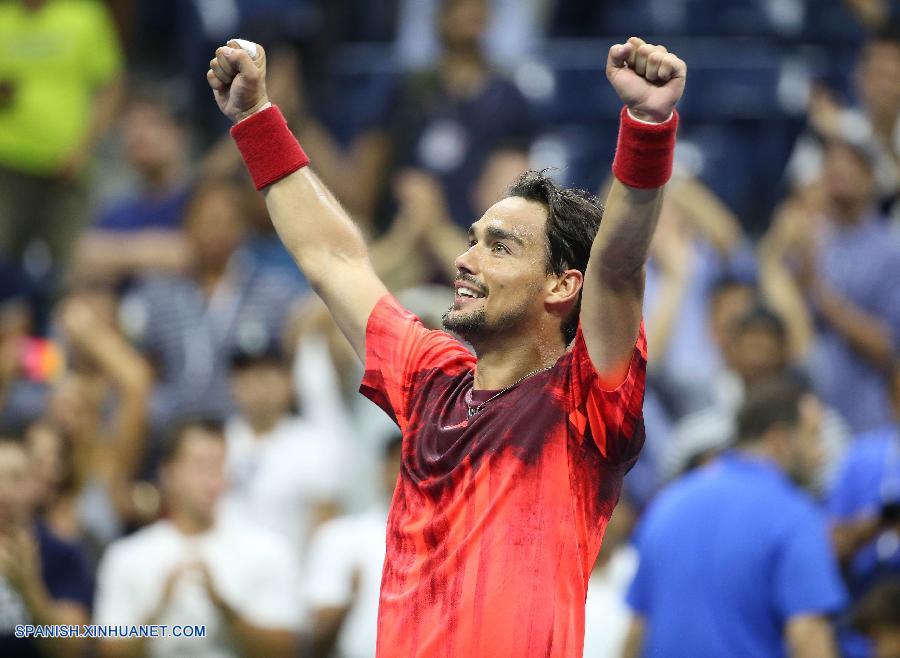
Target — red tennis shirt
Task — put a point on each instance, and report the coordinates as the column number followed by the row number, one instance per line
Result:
column 497, row 519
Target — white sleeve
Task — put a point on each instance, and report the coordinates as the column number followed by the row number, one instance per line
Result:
column 331, row 566
column 275, row 600
column 117, row 601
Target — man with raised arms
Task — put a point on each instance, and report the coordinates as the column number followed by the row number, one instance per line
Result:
column 512, row 460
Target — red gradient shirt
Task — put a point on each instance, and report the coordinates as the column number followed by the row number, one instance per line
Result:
column 497, row 519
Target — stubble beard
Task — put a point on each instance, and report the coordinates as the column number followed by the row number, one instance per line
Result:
column 474, row 327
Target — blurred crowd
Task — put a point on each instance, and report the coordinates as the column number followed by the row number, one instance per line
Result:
column 181, row 437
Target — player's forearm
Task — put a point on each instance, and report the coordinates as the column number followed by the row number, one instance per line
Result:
column 622, row 243
column 313, row 226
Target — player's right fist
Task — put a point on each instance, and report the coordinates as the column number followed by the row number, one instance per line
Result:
column 237, row 80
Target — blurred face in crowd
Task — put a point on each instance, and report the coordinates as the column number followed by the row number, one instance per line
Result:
column 215, row 224
column 758, row 353
column 154, row 142
column 16, row 485
column 849, row 179
column 262, row 391
column 878, row 79
column 49, row 461
column 462, row 22
column 73, row 407
column 502, row 276
column 806, row 455
column 194, row 477
column 729, row 304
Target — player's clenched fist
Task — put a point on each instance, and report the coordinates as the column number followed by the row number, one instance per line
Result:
column 649, row 79
column 238, row 80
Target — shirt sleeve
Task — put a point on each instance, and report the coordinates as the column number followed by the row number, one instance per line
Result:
column 401, row 354
column 331, row 567
column 614, row 418
column 806, row 578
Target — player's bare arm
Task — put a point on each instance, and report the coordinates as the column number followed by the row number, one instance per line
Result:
column 319, row 234
column 650, row 81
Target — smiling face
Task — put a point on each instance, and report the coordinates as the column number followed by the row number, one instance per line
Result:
column 503, row 274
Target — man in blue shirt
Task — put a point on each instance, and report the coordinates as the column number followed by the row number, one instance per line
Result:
column 735, row 558
column 864, row 504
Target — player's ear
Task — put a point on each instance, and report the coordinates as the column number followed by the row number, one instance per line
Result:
column 564, row 288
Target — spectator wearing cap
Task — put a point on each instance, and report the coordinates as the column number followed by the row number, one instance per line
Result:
column 841, row 255
column 734, row 558
column 864, row 504
column 286, row 463
column 346, row 556
column 43, row 579
column 192, row 568
column 188, row 324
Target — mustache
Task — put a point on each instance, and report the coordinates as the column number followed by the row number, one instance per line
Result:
column 471, row 282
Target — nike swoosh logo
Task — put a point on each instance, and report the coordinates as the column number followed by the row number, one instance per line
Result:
column 458, row 426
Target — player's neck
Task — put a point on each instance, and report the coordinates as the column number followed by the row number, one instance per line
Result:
column 503, row 365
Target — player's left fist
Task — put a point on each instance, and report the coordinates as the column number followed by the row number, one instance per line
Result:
column 648, row 78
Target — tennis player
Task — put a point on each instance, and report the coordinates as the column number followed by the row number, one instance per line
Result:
column 512, row 461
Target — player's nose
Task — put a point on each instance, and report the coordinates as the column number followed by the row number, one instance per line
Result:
column 467, row 262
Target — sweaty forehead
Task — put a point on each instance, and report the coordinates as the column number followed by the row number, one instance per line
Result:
column 523, row 218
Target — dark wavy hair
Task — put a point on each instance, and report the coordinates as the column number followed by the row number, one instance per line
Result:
column 573, row 217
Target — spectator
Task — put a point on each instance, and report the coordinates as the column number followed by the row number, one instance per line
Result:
column 757, row 351
column 140, row 232
column 286, row 469
column 59, row 90
column 842, row 254
column 865, row 507
column 606, row 616
column 423, row 242
column 191, row 569
column 875, row 121
column 734, row 558
column 188, row 325
column 346, row 557
column 878, row 616
column 699, row 242
column 450, row 121
column 43, row 579
column 97, row 413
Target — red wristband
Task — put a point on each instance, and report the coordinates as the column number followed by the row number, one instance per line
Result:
column 268, row 147
column 644, row 151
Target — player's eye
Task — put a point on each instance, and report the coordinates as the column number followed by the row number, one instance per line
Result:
column 472, row 243
column 500, row 248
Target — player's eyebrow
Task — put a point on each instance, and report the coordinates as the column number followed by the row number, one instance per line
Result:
column 498, row 233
